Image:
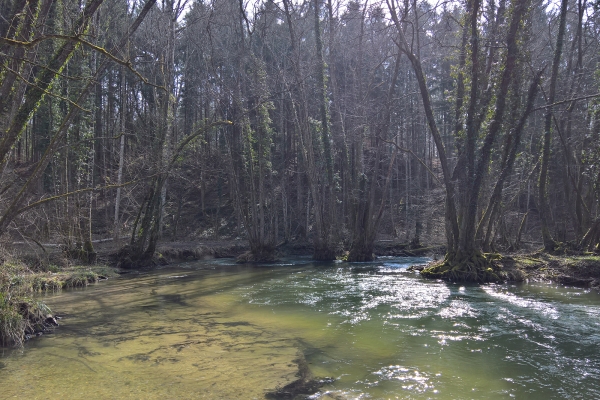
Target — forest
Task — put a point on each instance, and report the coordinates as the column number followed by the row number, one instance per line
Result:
column 411, row 189
column 473, row 125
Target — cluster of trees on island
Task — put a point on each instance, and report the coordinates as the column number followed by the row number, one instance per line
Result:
column 335, row 121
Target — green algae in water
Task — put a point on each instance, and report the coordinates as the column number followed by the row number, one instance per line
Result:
column 150, row 338
column 217, row 331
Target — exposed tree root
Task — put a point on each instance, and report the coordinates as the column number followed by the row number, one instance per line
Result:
column 467, row 267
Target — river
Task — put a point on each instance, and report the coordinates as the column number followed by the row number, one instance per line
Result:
column 217, row 330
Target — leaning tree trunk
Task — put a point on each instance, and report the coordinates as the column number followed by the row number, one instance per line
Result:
column 451, row 222
column 43, row 81
column 513, row 141
column 591, row 239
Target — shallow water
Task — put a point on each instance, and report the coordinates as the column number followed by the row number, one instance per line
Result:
column 216, row 330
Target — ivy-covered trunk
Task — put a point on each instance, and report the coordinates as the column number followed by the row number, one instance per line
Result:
column 315, row 143
column 549, row 243
column 479, row 124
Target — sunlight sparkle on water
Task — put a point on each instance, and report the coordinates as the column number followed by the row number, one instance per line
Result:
column 544, row 308
column 216, row 329
column 411, row 379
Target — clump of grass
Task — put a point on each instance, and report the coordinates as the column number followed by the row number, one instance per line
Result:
column 12, row 323
column 81, row 279
column 20, row 315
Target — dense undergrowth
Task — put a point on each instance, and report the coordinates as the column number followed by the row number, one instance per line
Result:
column 21, row 314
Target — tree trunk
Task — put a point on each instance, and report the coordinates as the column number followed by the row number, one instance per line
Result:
column 320, row 189
column 464, row 260
column 366, row 215
column 549, row 243
column 117, row 223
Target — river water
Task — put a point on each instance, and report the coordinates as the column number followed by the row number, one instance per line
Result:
column 217, row 330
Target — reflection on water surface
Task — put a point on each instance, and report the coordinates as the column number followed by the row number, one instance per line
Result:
column 220, row 331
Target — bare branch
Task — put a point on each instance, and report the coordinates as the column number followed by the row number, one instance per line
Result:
column 46, row 92
column 85, row 190
column 77, row 38
column 590, row 96
column 414, row 155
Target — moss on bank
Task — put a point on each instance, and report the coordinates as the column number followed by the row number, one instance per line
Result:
column 575, row 270
column 20, row 314
column 471, row 267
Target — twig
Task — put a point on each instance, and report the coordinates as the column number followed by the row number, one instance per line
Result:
column 22, row 78
column 85, row 190
column 590, row 96
column 101, row 50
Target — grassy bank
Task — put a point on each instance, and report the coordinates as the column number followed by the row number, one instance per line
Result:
column 573, row 270
column 21, row 315
column 581, row 270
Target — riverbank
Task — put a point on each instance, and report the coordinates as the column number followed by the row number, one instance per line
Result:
column 22, row 274
column 26, row 270
column 21, row 315
column 581, row 270
column 571, row 270
column 174, row 252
